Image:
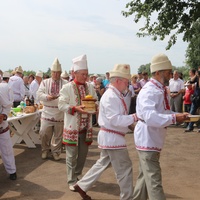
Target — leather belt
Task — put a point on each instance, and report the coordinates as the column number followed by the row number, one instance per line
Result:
column 174, row 92
column 4, row 130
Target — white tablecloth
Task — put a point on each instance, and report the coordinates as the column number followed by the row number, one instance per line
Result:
column 23, row 128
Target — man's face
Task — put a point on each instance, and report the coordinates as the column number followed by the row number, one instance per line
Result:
column 165, row 76
column 81, row 75
column 175, row 75
column 107, row 75
column 123, row 84
column 55, row 75
column 25, row 80
column 145, row 76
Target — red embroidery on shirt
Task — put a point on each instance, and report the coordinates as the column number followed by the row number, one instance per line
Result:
column 122, row 99
column 164, row 89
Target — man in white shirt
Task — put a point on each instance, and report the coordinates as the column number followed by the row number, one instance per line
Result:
column 17, row 85
column 6, row 149
column 35, row 85
column 52, row 118
column 114, row 121
column 154, row 114
column 26, row 86
column 176, row 90
column 78, row 132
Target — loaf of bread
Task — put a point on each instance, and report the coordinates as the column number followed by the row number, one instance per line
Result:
column 89, row 103
column 30, row 109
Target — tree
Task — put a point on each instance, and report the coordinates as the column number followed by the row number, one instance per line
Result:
column 193, row 50
column 173, row 17
column 145, row 68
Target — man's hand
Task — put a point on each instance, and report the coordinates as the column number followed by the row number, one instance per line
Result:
column 50, row 97
column 1, row 118
column 81, row 110
column 181, row 117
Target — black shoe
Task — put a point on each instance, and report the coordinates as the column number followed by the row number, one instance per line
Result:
column 13, row 176
column 82, row 193
column 188, row 130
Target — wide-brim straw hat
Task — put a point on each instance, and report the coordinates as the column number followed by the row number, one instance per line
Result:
column 19, row 70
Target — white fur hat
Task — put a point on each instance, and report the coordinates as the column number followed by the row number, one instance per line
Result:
column 39, row 73
column 56, row 66
column 160, row 62
column 64, row 74
column 6, row 75
column 19, row 70
column 121, row 70
column 80, row 63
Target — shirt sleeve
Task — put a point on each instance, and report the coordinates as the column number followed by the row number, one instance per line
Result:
column 41, row 94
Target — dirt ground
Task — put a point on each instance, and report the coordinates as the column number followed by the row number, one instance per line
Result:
column 46, row 179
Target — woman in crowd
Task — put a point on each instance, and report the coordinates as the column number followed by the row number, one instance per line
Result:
column 137, row 87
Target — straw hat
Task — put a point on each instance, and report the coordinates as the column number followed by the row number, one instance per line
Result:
column 64, row 74
column 160, row 62
column 56, row 66
column 99, row 79
column 19, row 70
column 80, row 63
column 6, row 75
column 121, row 70
column 40, row 74
column 134, row 75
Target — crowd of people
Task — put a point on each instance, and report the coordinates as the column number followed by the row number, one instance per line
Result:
column 122, row 100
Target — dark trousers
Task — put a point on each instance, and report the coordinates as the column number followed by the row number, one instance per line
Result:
column 193, row 110
column 16, row 103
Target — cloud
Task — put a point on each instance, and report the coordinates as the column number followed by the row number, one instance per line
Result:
column 35, row 32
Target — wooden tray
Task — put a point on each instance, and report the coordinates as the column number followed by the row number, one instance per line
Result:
column 193, row 118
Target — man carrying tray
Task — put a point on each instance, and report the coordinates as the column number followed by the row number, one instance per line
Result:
column 154, row 114
column 77, row 134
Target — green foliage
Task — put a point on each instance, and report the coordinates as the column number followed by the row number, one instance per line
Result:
column 48, row 72
column 145, row 68
column 27, row 73
column 184, row 70
column 165, row 18
column 193, row 50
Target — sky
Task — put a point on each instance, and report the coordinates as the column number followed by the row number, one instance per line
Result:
column 35, row 32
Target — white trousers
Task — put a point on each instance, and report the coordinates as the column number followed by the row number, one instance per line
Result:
column 122, row 165
column 7, row 154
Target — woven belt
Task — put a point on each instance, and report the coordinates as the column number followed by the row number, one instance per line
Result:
column 4, row 130
column 51, row 120
column 51, row 106
column 112, row 131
